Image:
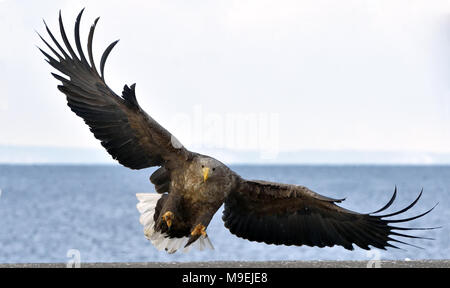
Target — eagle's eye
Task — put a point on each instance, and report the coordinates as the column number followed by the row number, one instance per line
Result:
column 214, row 169
column 203, row 166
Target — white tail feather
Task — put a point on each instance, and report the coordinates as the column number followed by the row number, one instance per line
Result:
column 161, row 241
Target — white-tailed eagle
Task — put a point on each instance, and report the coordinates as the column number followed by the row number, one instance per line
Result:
column 192, row 187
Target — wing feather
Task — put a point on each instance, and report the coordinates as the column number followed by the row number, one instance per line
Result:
column 278, row 214
column 130, row 135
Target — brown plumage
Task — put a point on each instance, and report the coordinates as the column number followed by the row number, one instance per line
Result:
column 194, row 186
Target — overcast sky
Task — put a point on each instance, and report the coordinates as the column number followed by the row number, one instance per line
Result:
column 364, row 75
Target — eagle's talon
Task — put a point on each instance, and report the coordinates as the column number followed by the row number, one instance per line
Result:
column 199, row 230
column 168, row 217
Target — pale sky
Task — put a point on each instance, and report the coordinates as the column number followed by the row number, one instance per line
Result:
column 364, row 75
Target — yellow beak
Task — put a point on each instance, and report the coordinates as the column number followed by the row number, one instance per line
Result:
column 205, row 173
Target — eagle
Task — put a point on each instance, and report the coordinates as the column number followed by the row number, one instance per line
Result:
column 191, row 187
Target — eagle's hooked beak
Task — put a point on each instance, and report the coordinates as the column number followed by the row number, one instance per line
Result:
column 205, row 173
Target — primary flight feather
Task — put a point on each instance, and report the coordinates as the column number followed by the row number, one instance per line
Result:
column 191, row 186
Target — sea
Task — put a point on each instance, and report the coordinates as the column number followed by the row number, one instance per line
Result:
column 53, row 213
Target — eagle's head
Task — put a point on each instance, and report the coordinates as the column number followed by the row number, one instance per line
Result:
column 212, row 178
column 210, row 169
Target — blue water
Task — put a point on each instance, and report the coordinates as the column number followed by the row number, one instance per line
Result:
column 45, row 211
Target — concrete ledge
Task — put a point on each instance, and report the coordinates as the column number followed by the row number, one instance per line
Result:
column 237, row 264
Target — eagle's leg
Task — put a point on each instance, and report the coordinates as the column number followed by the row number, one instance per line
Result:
column 199, row 230
column 168, row 218
column 168, row 214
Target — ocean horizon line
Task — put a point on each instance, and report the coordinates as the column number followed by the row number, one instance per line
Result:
column 30, row 155
column 240, row 164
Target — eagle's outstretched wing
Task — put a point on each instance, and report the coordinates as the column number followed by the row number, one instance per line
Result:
column 294, row 215
column 130, row 135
